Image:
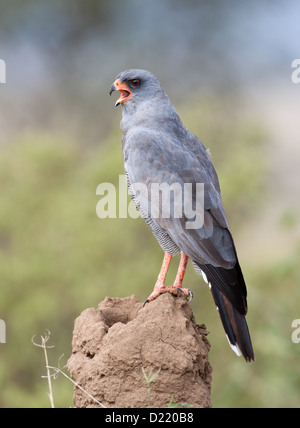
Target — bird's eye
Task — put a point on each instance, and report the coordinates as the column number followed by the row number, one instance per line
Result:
column 135, row 82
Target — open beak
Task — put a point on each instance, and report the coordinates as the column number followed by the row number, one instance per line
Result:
column 123, row 89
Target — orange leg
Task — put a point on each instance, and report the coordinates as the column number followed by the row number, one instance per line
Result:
column 160, row 286
column 163, row 271
column 181, row 270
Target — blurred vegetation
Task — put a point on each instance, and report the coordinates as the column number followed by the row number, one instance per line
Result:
column 58, row 258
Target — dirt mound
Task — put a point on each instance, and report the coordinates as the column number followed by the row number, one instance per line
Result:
column 111, row 345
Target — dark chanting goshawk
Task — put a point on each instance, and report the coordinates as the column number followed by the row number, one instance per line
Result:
column 157, row 149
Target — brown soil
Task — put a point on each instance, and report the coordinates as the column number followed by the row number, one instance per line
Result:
column 111, row 345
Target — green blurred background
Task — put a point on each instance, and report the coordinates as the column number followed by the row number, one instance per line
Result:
column 226, row 67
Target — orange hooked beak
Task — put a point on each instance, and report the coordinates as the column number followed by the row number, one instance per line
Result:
column 123, row 89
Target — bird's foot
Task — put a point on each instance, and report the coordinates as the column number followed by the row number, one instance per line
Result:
column 160, row 289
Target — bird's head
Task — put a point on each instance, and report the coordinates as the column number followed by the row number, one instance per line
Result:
column 136, row 86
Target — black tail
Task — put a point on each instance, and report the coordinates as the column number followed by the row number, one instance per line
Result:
column 229, row 292
column 234, row 324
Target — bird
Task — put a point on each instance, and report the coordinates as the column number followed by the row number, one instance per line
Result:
column 159, row 150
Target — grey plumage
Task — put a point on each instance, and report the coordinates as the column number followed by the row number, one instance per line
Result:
column 157, row 148
column 160, row 234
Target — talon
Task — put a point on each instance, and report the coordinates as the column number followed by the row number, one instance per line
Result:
column 145, row 302
column 191, row 296
column 180, row 289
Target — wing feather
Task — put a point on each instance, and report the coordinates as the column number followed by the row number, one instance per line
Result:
column 210, row 246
